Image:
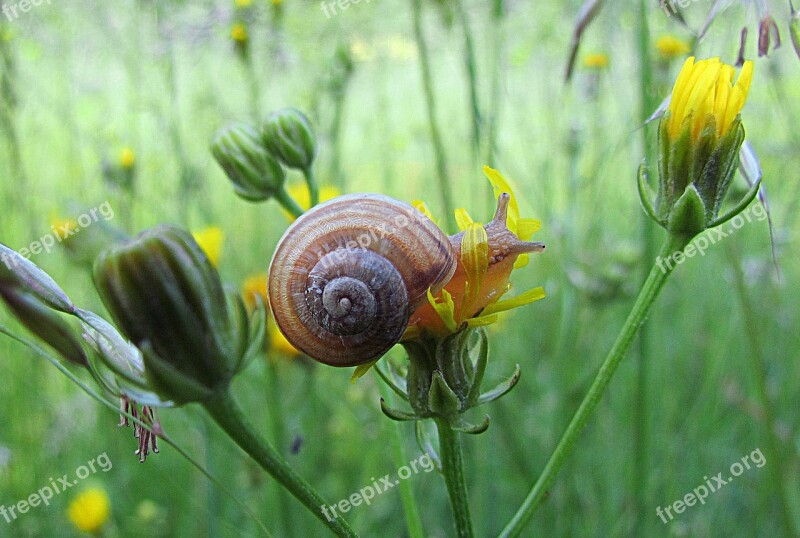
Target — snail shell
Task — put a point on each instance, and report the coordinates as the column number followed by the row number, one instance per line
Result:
column 347, row 274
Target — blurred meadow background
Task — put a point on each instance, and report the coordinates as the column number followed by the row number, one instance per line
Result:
column 118, row 101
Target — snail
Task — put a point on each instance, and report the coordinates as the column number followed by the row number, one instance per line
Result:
column 347, row 275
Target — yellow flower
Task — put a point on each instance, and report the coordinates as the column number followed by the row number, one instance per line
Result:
column 486, row 257
column 90, row 510
column 127, row 158
column 299, row 192
column 596, row 61
column 277, row 2
column 210, row 240
column 399, row 48
column 704, row 95
column 243, row 3
column 361, row 51
column 254, row 287
column 670, row 47
column 239, row 33
column 63, row 228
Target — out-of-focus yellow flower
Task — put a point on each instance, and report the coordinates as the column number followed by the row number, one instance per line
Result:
column 704, row 94
column 239, row 33
column 243, row 3
column 210, row 240
column 254, row 287
column 127, row 158
column 487, row 256
column 400, row 48
column 299, row 192
column 596, row 61
column 670, row 47
column 90, row 510
column 276, row 2
column 361, row 51
column 62, row 228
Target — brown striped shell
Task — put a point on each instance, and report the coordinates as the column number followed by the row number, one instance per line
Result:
column 346, row 276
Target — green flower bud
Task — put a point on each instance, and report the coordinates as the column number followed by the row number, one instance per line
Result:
column 256, row 175
column 288, row 135
column 167, row 298
column 45, row 323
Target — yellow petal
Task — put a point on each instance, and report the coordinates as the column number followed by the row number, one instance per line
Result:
column 475, row 258
column 527, row 227
column 521, row 261
column 499, row 186
column 482, row 320
column 520, row 300
column 463, row 220
column 445, row 309
column 361, row 370
column 210, row 240
column 422, row 208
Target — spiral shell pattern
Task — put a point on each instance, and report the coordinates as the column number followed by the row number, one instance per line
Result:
column 347, row 274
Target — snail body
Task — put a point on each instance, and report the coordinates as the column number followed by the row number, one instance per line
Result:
column 347, row 275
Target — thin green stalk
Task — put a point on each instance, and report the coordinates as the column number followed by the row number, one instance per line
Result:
column 648, row 103
column 778, row 468
column 253, row 87
column 430, row 100
column 410, row 509
column 498, row 45
column 278, row 428
column 336, row 139
column 227, row 414
column 648, row 294
column 472, row 77
column 288, row 203
column 313, row 186
column 453, row 471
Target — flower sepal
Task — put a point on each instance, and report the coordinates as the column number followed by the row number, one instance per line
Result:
column 688, row 215
column 444, row 380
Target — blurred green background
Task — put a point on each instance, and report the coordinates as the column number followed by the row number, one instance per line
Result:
column 84, row 80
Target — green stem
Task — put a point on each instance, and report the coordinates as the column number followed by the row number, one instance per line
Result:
column 778, row 469
column 453, row 471
column 288, row 203
column 650, row 290
column 410, row 509
column 430, row 100
column 227, row 414
column 336, row 138
column 278, row 428
column 638, row 488
column 469, row 60
column 253, row 87
column 313, row 187
column 498, row 41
